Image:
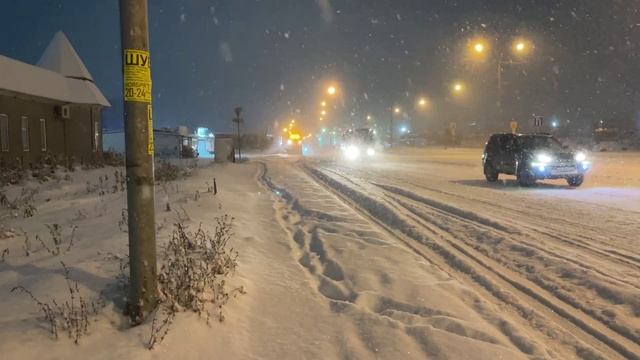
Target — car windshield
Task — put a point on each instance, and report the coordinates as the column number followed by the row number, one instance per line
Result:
column 320, row 179
column 540, row 142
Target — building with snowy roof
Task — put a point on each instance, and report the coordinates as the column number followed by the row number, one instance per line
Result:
column 49, row 110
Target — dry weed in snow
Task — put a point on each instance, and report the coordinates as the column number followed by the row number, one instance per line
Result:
column 71, row 315
column 192, row 276
column 57, row 239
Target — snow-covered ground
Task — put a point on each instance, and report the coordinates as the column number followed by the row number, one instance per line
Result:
column 410, row 256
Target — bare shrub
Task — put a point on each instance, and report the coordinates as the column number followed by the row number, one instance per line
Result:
column 71, row 315
column 80, row 215
column 166, row 171
column 11, row 176
column 192, row 276
column 119, row 182
column 23, row 202
column 57, row 239
column 27, row 243
column 112, row 158
column 100, row 187
column 160, row 325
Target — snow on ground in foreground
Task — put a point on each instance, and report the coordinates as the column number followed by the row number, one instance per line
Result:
column 410, row 256
column 569, row 256
column 268, row 322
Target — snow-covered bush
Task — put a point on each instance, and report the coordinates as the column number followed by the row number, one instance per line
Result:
column 166, row 171
column 192, row 276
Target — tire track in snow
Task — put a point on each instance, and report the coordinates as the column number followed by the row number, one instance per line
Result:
column 461, row 215
column 330, row 280
column 577, row 239
column 487, row 273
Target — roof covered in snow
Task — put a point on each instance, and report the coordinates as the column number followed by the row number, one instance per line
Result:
column 62, row 77
column 61, row 57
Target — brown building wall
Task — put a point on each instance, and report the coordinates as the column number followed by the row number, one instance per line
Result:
column 64, row 137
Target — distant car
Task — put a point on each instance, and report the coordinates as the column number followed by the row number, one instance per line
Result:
column 533, row 157
column 358, row 144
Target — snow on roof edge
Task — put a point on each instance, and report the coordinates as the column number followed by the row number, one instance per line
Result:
column 23, row 78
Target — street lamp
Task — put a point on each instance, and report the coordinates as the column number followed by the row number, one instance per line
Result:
column 323, row 112
column 331, row 90
column 396, row 110
column 323, row 104
column 457, row 87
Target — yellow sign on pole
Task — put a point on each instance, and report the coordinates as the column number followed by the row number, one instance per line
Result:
column 137, row 76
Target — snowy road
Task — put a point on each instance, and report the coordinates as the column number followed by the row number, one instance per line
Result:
column 560, row 264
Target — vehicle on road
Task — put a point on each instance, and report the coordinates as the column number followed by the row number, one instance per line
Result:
column 532, row 157
column 292, row 144
column 358, row 143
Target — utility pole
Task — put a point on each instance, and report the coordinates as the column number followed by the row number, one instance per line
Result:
column 238, row 120
column 134, row 30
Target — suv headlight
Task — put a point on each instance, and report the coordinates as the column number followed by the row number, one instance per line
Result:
column 371, row 151
column 543, row 158
column 352, row 152
column 580, row 157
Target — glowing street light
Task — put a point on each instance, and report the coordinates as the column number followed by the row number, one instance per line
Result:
column 396, row 110
column 458, row 87
column 323, row 104
column 331, row 90
column 478, row 47
column 323, row 112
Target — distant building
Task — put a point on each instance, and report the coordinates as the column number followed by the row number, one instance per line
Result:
column 168, row 142
column 52, row 109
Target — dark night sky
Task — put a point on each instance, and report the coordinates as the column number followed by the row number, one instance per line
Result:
column 274, row 57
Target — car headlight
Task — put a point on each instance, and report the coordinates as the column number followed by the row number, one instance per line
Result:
column 352, row 152
column 371, row 152
column 580, row 157
column 543, row 158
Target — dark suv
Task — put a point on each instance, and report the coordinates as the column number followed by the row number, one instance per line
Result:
column 533, row 157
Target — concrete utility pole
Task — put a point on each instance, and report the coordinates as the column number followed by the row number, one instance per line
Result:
column 134, row 29
column 238, row 120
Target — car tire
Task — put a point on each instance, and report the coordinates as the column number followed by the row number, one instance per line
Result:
column 525, row 177
column 490, row 172
column 575, row 181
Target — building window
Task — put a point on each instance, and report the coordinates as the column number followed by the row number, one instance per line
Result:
column 4, row 132
column 43, row 134
column 96, row 135
column 25, row 133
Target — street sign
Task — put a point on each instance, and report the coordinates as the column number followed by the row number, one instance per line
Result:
column 538, row 121
column 514, row 126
